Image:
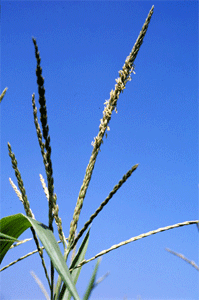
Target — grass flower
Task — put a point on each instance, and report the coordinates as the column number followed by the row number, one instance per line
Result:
column 110, row 105
column 66, row 284
column 136, row 238
column 3, row 94
column 191, row 262
column 93, row 216
column 26, row 205
column 23, row 196
column 45, row 129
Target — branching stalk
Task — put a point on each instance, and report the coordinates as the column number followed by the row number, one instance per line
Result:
column 124, row 77
column 3, row 94
column 21, row 258
column 93, row 216
column 133, row 239
column 45, row 129
column 48, row 164
column 191, row 262
column 26, row 205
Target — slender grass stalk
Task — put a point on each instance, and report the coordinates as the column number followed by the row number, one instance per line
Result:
column 191, row 262
column 133, row 239
column 58, row 220
column 93, row 216
column 24, row 200
column 111, row 104
column 3, row 94
column 21, row 242
column 40, row 284
column 38, row 130
column 21, row 258
column 44, row 186
column 26, row 205
column 73, row 253
column 18, row 193
column 92, row 281
column 101, row 279
column 48, row 164
column 45, row 129
column 124, row 77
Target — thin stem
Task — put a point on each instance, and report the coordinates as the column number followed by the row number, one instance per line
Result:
column 45, row 129
column 26, row 205
column 191, row 262
column 40, row 284
column 48, row 164
column 93, row 216
column 38, row 130
column 124, row 77
column 20, row 243
column 21, row 258
column 111, row 104
column 58, row 220
column 3, row 94
column 25, row 201
column 133, row 239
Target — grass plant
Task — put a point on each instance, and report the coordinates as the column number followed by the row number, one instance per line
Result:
column 65, row 288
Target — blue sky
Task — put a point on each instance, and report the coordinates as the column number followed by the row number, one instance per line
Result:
column 83, row 45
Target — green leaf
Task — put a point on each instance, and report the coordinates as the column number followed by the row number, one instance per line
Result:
column 12, row 226
column 5, row 237
column 75, row 273
column 48, row 240
column 92, row 281
column 21, row 223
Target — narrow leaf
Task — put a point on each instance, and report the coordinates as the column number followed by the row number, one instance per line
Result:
column 75, row 272
column 12, row 226
column 48, row 240
column 15, row 225
column 5, row 237
column 92, row 281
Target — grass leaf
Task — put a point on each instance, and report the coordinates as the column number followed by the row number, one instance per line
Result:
column 48, row 240
column 75, row 272
column 15, row 225
column 12, row 226
column 92, row 281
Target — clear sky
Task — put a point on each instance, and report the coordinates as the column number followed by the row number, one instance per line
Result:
column 83, row 45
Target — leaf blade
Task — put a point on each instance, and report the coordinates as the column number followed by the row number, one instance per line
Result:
column 49, row 242
column 12, row 226
column 75, row 272
column 15, row 225
column 92, row 280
